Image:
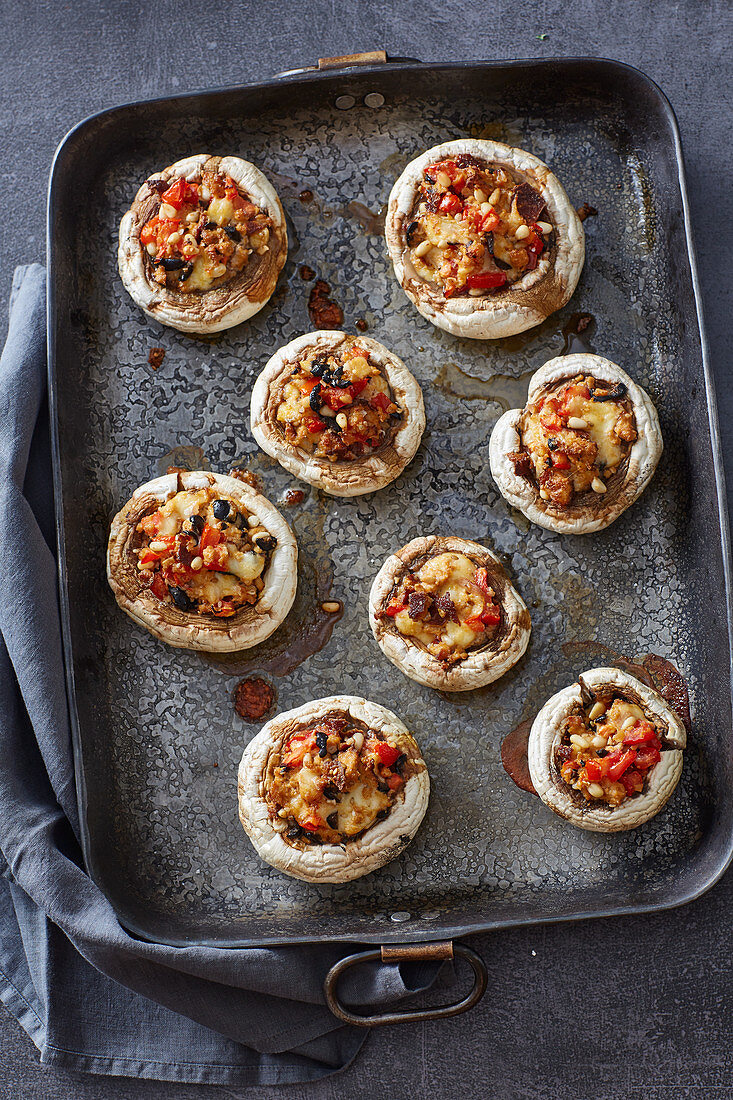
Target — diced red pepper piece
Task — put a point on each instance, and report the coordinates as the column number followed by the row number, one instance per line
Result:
column 158, row 230
column 334, row 398
column 159, row 588
column 210, row 536
column 298, row 745
column 381, row 401
column 647, row 756
column 632, row 781
column 225, row 610
column 638, row 734
column 307, row 385
column 387, row 753
column 593, row 770
column 395, row 782
column 394, row 609
column 486, row 280
column 312, row 824
column 315, row 424
column 476, row 623
column 481, row 578
column 358, row 386
column 450, row 204
column 560, row 461
column 151, row 523
column 180, row 193
column 491, row 614
column 621, row 764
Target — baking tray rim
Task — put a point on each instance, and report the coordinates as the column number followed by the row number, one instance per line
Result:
column 316, row 76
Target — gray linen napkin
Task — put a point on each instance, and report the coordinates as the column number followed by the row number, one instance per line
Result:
column 91, row 996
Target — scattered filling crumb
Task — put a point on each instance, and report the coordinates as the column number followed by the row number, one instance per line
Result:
column 203, row 553
column 575, row 438
column 333, row 780
column 475, row 227
column 203, row 233
column 448, row 605
column 607, row 750
column 336, row 404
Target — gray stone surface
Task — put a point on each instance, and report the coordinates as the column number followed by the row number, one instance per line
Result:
column 611, row 1009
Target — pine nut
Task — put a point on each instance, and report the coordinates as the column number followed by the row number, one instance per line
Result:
column 457, row 217
column 253, row 521
column 578, row 423
column 282, row 813
column 341, row 420
column 479, row 195
column 443, row 180
column 331, row 606
column 204, row 193
column 167, row 211
column 544, row 227
column 522, row 232
column 475, row 292
column 495, row 196
column 218, row 271
column 307, row 760
column 630, row 721
column 358, row 740
column 279, row 826
column 175, row 237
column 423, row 248
column 597, row 485
column 596, row 711
column 192, row 217
column 152, row 249
column 580, row 740
column 596, row 790
column 196, row 563
column 544, row 494
column 325, row 411
column 157, row 547
column 599, row 742
column 485, row 207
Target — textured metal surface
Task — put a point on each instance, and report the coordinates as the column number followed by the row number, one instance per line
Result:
column 158, row 739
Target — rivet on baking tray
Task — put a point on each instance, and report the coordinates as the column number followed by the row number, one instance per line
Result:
column 344, row 102
column 374, row 99
column 398, row 918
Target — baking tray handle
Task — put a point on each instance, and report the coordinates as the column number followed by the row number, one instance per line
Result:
column 408, row 952
column 348, row 61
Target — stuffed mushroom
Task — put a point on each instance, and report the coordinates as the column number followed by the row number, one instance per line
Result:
column 203, row 244
column 483, row 239
column 202, row 561
column 606, row 752
column 332, row 790
column 444, row 611
column 340, row 412
column 582, row 450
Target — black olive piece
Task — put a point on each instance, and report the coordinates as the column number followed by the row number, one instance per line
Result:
column 232, row 233
column 315, row 398
column 602, row 752
column 397, row 415
column 399, row 764
column 410, row 232
column 186, row 272
column 489, row 237
column 197, row 524
column 333, row 820
column 293, row 832
column 321, row 740
column 180, row 599
column 335, row 377
column 383, row 788
column 265, row 541
column 331, row 793
column 221, row 509
column 552, row 444
column 319, row 364
column 620, row 390
column 211, row 225
column 382, row 815
column 173, row 264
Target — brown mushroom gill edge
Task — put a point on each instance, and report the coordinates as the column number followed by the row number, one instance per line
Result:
column 656, row 672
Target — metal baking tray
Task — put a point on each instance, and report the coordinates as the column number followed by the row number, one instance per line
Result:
column 156, row 738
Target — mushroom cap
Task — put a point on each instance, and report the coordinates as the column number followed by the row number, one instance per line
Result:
column 191, row 630
column 588, row 511
column 223, row 306
column 483, row 664
column 533, row 297
column 340, row 479
column 545, row 735
column 325, row 863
